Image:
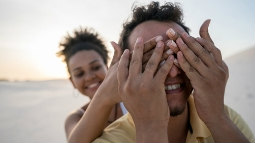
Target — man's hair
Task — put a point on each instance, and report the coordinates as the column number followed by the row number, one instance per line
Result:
column 165, row 13
column 82, row 39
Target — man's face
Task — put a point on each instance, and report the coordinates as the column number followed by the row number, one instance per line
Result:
column 177, row 85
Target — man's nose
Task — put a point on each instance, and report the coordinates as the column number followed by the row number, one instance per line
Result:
column 174, row 71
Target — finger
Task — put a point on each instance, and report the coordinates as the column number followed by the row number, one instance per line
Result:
column 172, row 45
column 192, row 59
column 201, row 52
column 216, row 53
column 225, row 67
column 117, row 53
column 164, row 69
column 153, row 62
column 204, row 30
column 190, row 71
column 205, row 35
column 150, row 44
column 147, row 55
column 136, row 59
column 176, row 63
column 166, row 54
column 122, row 73
column 172, row 34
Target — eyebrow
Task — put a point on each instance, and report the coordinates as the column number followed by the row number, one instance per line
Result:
column 92, row 62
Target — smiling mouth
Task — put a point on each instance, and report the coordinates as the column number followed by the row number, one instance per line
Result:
column 173, row 88
column 93, row 85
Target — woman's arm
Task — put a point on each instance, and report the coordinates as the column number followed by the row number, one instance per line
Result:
column 71, row 121
column 92, row 123
column 96, row 116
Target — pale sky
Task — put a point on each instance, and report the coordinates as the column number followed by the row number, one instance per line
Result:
column 30, row 30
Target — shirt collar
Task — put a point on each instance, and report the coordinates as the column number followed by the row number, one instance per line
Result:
column 199, row 128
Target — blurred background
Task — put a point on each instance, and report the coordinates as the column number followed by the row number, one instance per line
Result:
column 35, row 95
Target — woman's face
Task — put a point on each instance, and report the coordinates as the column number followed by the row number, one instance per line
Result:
column 87, row 70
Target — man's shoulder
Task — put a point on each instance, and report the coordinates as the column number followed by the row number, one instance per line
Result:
column 240, row 123
column 233, row 115
column 121, row 130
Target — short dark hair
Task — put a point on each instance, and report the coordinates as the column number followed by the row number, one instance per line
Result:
column 153, row 11
column 82, row 39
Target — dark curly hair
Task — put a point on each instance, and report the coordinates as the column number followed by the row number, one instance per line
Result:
column 82, row 39
column 153, row 11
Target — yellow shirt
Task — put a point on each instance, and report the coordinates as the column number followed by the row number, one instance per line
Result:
column 123, row 129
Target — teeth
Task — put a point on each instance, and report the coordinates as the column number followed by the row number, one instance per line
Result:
column 172, row 87
column 93, row 85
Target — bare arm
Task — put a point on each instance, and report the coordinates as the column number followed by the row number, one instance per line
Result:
column 96, row 116
column 71, row 121
column 92, row 122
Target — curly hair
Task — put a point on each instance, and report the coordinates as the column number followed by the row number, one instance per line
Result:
column 153, row 11
column 82, row 39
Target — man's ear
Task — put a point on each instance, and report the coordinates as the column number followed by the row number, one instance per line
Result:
column 70, row 78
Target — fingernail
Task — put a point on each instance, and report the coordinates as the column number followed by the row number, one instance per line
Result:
column 180, row 40
column 159, row 44
column 170, row 32
column 169, row 51
column 176, row 61
column 180, row 54
column 171, row 43
column 139, row 39
column 113, row 44
column 161, row 63
column 126, row 51
column 159, row 38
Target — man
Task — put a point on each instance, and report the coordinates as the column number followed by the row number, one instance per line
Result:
column 158, row 95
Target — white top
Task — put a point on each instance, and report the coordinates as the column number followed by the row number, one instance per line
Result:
column 123, row 108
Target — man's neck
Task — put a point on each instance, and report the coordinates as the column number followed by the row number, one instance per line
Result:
column 178, row 127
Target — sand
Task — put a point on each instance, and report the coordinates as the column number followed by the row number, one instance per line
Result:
column 34, row 112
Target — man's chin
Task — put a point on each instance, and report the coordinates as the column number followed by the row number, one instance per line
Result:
column 175, row 111
column 176, row 104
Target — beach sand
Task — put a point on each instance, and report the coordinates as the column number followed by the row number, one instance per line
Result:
column 240, row 89
column 34, row 111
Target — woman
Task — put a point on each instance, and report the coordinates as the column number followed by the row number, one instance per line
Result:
column 86, row 58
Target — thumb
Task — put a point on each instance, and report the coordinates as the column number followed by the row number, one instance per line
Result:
column 204, row 30
column 117, row 53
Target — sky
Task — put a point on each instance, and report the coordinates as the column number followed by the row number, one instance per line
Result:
column 30, row 30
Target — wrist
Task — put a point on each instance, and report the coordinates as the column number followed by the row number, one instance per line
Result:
column 217, row 119
column 103, row 99
column 152, row 131
column 147, row 126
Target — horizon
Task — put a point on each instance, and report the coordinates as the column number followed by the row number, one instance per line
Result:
column 236, row 55
column 31, row 31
